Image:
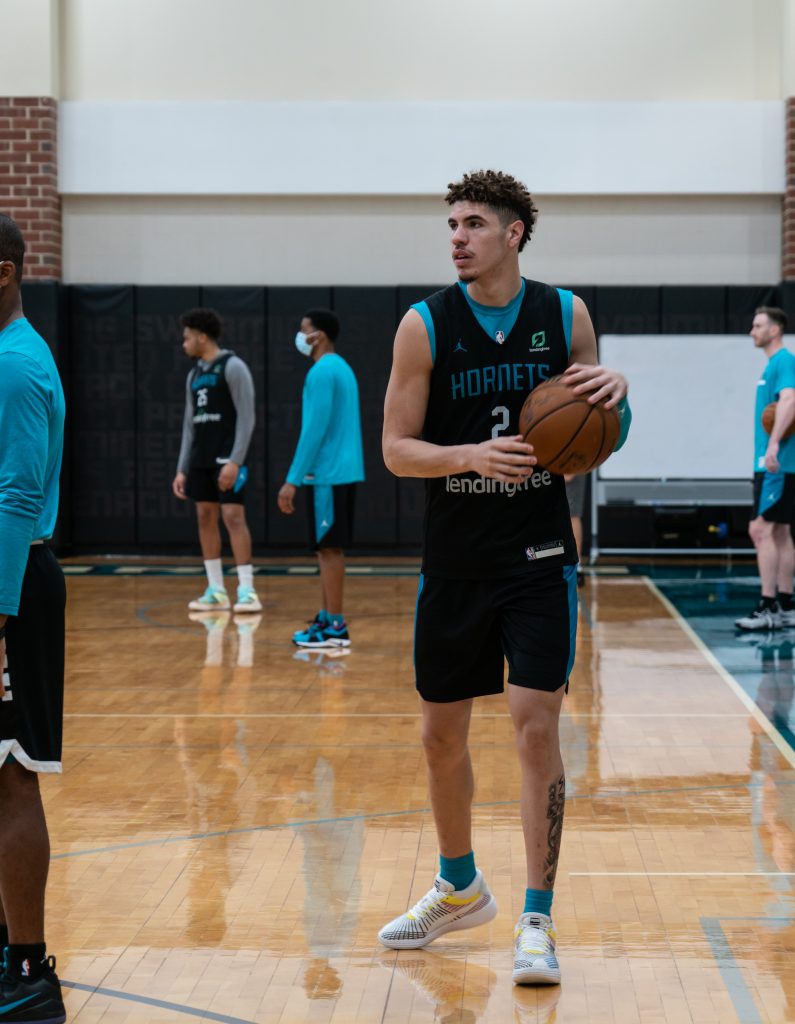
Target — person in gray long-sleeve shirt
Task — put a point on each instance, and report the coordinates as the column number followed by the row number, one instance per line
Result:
column 211, row 470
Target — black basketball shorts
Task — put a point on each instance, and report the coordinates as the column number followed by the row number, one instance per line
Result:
column 465, row 630
column 330, row 513
column 202, row 485
column 774, row 497
column 31, row 709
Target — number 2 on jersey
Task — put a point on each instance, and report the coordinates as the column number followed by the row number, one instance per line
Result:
column 499, row 428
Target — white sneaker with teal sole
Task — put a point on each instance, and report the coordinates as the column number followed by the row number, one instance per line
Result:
column 247, row 600
column 443, row 909
column 211, row 601
column 535, row 962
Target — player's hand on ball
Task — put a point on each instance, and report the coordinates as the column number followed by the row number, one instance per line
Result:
column 285, row 499
column 178, row 486
column 503, row 458
column 598, row 382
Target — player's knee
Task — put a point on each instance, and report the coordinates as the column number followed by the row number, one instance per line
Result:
column 537, row 737
column 441, row 746
column 234, row 515
column 206, row 513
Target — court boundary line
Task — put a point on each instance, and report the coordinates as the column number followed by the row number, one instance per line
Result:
column 161, row 1004
column 773, row 734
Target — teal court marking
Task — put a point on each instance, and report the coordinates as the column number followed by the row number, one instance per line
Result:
column 758, row 667
column 161, row 1004
column 739, row 993
column 126, row 569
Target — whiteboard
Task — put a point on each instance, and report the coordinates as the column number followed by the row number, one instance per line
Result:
column 692, row 398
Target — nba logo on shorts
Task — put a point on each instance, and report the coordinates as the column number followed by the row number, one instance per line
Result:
column 531, row 555
column 500, row 337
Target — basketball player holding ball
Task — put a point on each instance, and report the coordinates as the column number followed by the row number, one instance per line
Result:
column 499, row 561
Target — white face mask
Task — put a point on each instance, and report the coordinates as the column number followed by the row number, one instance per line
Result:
column 302, row 344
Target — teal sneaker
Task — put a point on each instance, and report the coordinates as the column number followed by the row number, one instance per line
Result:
column 247, row 600
column 26, row 1001
column 324, row 635
column 318, row 621
column 211, row 601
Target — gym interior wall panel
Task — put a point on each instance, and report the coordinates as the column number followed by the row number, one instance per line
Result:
column 367, row 331
column 161, row 370
column 286, row 370
column 627, row 310
column 696, row 309
column 102, row 415
column 742, row 300
column 244, row 315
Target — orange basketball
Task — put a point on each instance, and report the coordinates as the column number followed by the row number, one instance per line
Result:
column 568, row 434
column 769, row 415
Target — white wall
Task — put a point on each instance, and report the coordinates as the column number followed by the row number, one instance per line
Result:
column 141, row 209
column 29, row 31
column 415, row 49
column 403, row 240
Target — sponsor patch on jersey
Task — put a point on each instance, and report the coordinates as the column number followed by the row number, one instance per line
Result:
column 546, row 550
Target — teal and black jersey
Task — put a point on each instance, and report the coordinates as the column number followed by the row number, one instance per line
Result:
column 214, row 414
column 483, row 370
column 778, row 374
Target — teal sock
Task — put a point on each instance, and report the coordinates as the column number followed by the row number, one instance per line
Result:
column 458, row 871
column 538, row 901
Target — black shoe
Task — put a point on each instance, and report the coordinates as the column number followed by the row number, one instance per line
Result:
column 32, row 1002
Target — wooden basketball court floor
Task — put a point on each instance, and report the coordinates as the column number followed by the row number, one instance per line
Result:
column 236, row 819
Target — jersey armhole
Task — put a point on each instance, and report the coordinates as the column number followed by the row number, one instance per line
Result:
column 427, row 319
column 567, row 314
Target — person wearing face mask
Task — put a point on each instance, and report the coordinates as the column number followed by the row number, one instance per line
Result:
column 329, row 462
column 211, row 470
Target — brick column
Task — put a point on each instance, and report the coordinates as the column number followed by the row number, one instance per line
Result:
column 29, row 180
column 788, row 213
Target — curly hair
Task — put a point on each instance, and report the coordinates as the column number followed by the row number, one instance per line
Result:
column 500, row 192
column 202, row 319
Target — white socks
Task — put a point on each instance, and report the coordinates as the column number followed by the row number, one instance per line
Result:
column 245, row 575
column 215, row 573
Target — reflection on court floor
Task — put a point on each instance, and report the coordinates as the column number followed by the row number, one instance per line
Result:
column 237, row 818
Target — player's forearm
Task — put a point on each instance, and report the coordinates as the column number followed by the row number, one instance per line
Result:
column 785, row 413
column 408, row 456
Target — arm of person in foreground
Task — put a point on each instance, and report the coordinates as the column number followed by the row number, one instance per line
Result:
column 588, row 377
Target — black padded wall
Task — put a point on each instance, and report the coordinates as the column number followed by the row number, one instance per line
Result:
column 161, row 370
column 742, row 300
column 367, row 330
column 102, row 417
column 626, row 310
column 693, row 309
column 244, row 314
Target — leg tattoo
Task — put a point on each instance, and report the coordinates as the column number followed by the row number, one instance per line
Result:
column 557, row 799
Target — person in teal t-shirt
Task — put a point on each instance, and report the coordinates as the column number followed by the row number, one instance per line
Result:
column 32, row 600
column 329, row 461
column 774, row 477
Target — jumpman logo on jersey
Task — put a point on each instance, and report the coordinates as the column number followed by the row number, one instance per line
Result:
column 459, row 347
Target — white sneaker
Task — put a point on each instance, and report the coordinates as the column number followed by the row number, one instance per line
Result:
column 786, row 618
column 443, row 909
column 534, row 961
column 247, row 600
column 211, row 601
column 761, row 618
